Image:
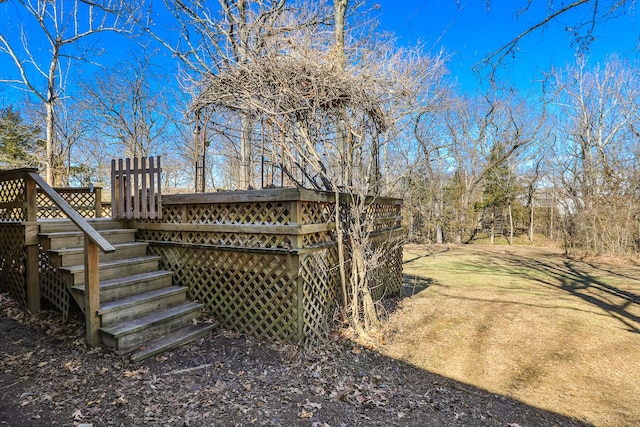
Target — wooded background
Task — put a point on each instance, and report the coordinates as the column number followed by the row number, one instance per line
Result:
column 311, row 94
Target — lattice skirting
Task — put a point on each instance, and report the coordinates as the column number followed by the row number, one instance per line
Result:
column 13, row 273
column 12, row 198
column 386, row 280
column 320, row 278
column 270, row 212
column 249, row 292
column 277, row 296
column 252, row 240
column 51, row 285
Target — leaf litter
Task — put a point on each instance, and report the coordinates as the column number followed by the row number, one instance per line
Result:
column 47, row 374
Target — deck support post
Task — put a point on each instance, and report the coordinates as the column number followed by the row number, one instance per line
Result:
column 31, row 247
column 91, row 292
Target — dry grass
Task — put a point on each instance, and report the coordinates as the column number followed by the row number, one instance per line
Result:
column 555, row 333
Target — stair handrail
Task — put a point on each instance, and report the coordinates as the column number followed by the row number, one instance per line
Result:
column 74, row 216
column 92, row 242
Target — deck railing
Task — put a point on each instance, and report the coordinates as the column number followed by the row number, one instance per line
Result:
column 87, row 201
column 265, row 262
column 19, row 214
column 135, row 188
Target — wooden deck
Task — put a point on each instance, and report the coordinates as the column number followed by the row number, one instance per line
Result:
column 261, row 262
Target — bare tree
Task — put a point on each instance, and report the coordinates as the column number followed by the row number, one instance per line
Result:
column 209, row 38
column 596, row 163
column 126, row 107
column 582, row 32
column 63, row 27
column 475, row 128
column 309, row 109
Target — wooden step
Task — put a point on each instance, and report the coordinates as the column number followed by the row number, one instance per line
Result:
column 113, row 269
column 114, row 289
column 62, row 224
column 75, row 256
column 123, row 287
column 75, row 239
column 171, row 341
column 141, row 304
column 123, row 336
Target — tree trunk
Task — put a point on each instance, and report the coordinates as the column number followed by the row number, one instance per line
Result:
column 493, row 226
column 510, row 224
column 531, row 226
column 49, row 142
column 553, row 201
column 340, row 238
column 360, row 286
column 245, row 154
column 339, row 13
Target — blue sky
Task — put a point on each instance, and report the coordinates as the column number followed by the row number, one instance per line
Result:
column 470, row 32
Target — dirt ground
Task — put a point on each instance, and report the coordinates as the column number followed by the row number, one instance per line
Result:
column 527, row 323
column 49, row 378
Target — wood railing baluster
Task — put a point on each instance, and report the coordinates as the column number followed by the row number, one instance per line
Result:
column 136, row 189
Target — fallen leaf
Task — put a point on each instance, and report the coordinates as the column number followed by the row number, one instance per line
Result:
column 120, row 401
column 136, row 373
column 312, row 405
column 72, row 365
column 77, row 415
column 305, row 414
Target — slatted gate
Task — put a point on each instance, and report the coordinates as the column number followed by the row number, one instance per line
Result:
column 135, row 189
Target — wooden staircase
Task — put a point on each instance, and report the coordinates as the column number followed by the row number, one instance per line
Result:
column 141, row 312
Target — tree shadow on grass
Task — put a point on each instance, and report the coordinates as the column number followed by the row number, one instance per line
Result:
column 413, row 284
column 574, row 278
column 424, row 253
column 577, row 279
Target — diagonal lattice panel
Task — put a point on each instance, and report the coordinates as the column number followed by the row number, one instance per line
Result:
column 82, row 200
column 13, row 274
column 320, row 281
column 259, row 213
column 252, row 293
column 245, row 240
column 52, row 286
column 12, row 199
column 317, row 212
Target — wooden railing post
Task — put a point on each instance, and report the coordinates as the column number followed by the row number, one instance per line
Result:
column 98, row 203
column 31, row 246
column 92, row 242
column 91, row 292
column 158, row 195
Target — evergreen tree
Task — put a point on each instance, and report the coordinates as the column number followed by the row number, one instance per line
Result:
column 17, row 140
column 498, row 194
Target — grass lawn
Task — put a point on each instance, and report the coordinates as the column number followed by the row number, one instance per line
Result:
column 525, row 322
